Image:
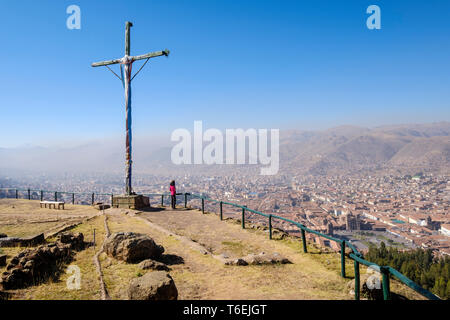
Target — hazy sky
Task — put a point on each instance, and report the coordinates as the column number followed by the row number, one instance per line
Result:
column 249, row 64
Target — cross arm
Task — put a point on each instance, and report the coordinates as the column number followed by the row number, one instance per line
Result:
column 152, row 55
column 135, row 58
column 106, row 63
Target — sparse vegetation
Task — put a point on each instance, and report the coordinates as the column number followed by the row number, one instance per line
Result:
column 235, row 247
column 315, row 275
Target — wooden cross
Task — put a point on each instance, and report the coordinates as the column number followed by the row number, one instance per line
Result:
column 126, row 62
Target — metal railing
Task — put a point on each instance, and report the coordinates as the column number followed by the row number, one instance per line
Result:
column 70, row 197
column 355, row 255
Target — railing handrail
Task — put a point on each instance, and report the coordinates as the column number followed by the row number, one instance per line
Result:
column 59, row 192
column 355, row 255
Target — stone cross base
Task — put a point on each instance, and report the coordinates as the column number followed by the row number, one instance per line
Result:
column 131, row 202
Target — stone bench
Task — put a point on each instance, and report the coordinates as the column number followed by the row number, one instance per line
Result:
column 52, row 203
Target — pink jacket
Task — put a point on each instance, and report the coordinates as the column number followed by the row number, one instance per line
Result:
column 172, row 190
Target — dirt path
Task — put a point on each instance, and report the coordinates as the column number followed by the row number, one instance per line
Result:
column 200, row 276
column 103, row 290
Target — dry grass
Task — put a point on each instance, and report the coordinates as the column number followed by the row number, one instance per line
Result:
column 203, row 277
column 236, row 248
column 25, row 218
column 315, row 275
column 117, row 275
column 57, row 290
column 206, row 278
column 10, row 253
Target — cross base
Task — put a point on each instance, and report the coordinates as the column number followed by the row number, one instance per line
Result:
column 131, row 202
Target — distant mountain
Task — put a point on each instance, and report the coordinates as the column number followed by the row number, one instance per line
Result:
column 340, row 150
column 351, row 149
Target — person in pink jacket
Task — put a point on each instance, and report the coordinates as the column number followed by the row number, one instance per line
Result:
column 173, row 193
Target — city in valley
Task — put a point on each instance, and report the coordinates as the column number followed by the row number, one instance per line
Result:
column 408, row 211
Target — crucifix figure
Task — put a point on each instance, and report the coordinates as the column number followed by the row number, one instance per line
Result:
column 125, row 70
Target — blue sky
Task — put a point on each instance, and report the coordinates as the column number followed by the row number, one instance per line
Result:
column 233, row 64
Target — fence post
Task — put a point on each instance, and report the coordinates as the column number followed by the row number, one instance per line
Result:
column 73, row 198
column 93, row 195
column 29, row 194
column 42, row 195
column 305, row 249
column 185, row 200
column 17, row 194
column 162, row 200
column 221, row 210
column 386, row 286
column 112, row 199
column 243, row 217
column 343, row 258
column 356, row 280
column 270, row 226
column 56, row 195
column 203, row 205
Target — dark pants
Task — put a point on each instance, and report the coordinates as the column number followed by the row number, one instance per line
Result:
column 174, row 201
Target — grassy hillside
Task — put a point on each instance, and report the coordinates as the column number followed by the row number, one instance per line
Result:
column 315, row 275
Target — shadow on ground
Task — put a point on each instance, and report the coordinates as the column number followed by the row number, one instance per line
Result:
column 171, row 259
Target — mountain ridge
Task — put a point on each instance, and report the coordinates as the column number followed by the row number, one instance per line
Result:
column 340, row 150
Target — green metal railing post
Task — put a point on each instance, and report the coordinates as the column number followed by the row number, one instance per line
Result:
column 42, row 195
column 243, row 218
column 17, row 194
column 305, row 249
column 56, row 195
column 357, row 279
column 185, row 200
column 162, row 200
column 73, row 198
column 343, row 258
column 385, row 283
column 93, row 196
column 221, row 210
column 203, row 205
column 29, row 194
column 112, row 199
column 270, row 227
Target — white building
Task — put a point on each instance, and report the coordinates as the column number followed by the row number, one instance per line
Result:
column 445, row 230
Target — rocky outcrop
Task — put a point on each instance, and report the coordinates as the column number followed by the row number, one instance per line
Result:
column 4, row 296
column 2, row 260
column 258, row 259
column 75, row 241
column 157, row 285
column 22, row 242
column 32, row 266
column 150, row 264
column 132, row 247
